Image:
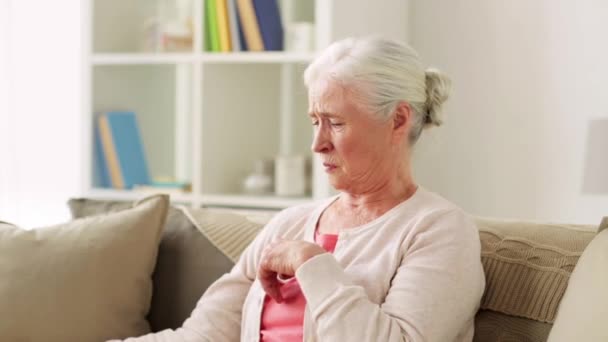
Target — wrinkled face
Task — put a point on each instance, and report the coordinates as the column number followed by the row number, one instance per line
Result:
column 356, row 148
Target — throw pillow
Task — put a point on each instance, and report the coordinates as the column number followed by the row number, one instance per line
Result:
column 187, row 262
column 85, row 280
column 527, row 265
column 583, row 311
column 230, row 233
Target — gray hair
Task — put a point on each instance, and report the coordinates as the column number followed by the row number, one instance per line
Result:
column 381, row 72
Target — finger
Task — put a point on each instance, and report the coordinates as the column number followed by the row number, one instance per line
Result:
column 270, row 284
column 274, row 291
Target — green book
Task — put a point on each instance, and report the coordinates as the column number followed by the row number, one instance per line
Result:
column 212, row 29
column 207, row 36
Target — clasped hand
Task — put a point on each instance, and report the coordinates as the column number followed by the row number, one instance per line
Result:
column 283, row 257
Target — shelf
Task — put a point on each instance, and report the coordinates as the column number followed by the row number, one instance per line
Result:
column 142, row 58
column 213, row 58
column 207, row 117
column 127, row 195
column 250, row 201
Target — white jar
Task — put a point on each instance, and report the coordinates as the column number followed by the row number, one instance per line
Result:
column 290, row 176
column 300, row 37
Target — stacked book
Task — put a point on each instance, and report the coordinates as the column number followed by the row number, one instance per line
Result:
column 243, row 25
column 120, row 157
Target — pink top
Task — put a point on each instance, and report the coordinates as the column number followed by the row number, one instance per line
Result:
column 283, row 322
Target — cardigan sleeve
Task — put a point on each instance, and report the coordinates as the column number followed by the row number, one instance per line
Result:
column 433, row 294
column 217, row 315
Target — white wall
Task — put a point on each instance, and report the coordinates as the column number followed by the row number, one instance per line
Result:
column 40, row 123
column 528, row 76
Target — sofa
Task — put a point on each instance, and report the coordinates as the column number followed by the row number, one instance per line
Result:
column 528, row 266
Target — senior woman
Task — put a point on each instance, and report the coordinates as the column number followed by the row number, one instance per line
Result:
column 385, row 259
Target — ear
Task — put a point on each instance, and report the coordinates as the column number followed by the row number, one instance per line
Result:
column 402, row 120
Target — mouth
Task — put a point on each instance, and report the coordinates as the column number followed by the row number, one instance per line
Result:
column 329, row 167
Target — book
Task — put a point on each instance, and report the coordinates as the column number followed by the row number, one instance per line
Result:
column 239, row 25
column 233, row 22
column 213, row 43
column 269, row 21
column 109, row 153
column 223, row 26
column 123, row 149
column 101, row 178
column 251, row 29
column 207, row 29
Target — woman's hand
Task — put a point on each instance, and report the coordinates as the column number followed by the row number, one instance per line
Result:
column 283, row 257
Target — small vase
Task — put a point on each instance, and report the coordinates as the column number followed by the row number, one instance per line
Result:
column 260, row 182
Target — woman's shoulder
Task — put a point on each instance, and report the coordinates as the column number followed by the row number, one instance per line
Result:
column 433, row 212
column 428, row 203
column 430, row 200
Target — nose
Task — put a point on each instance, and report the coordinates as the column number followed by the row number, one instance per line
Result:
column 321, row 142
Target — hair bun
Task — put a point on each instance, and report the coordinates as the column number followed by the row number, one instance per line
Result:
column 437, row 91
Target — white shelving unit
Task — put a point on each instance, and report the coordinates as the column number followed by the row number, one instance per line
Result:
column 206, row 117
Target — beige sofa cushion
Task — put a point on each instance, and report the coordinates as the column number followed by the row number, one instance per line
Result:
column 196, row 249
column 527, row 267
column 583, row 312
column 85, row 280
column 492, row 326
